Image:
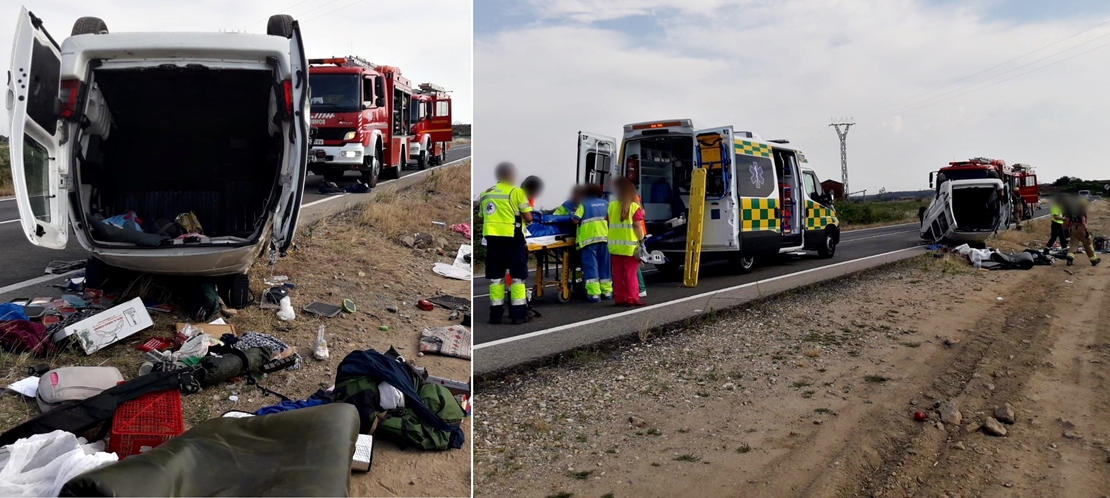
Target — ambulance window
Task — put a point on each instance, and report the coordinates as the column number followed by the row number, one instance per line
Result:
column 813, row 189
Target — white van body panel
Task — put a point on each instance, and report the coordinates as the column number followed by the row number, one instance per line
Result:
column 941, row 218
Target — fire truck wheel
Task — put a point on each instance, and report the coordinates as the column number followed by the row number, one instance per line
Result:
column 422, row 160
column 392, row 173
column 828, row 247
column 743, row 264
column 280, row 25
column 371, row 177
column 89, row 26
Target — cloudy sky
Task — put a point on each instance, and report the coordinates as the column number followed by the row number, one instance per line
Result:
column 430, row 40
column 927, row 82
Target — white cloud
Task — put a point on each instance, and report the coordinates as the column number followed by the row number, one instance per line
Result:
column 430, row 40
column 784, row 69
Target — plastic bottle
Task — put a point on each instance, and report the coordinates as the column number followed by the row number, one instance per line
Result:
column 320, row 350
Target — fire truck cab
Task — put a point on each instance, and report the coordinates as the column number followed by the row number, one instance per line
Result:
column 431, row 125
column 761, row 199
column 361, row 114
column 1025, row 180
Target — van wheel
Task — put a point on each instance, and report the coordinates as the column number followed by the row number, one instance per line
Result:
column 828, row 246
column 280, row 25
column 743, row 264
column 89, row 26
column 422, row 160
column 670, row 271
column 370, row 178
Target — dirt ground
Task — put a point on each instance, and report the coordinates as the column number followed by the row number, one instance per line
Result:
column 813, row 393
column 356, row 255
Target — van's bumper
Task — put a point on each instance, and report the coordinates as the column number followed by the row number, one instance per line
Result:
column 345, row 155
column 184, row 261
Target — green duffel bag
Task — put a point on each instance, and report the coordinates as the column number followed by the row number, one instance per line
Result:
column 401, row 426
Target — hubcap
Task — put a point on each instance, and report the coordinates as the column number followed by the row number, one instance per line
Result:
column 829, row 242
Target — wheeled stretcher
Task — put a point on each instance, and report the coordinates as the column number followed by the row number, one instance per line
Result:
column 554, row 254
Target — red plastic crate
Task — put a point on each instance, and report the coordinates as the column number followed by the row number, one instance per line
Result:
column 146, row 422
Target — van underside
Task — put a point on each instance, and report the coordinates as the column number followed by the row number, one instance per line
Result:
column 975, row 209
column 183, row 140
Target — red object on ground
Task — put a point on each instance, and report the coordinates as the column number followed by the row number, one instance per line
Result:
column 919, row 416
column 146, row 422
column 425, row 305
column 462, row 228
column 154, row 344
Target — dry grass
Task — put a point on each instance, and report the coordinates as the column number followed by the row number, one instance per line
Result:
column 460, row 141
column 403, row 212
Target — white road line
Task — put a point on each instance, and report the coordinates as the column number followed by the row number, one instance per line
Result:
column 9, row 221
column 2, row 199
column 876, row 236
column 633, row 311
column 879, row 228
column 334, row 197
column 35, row 281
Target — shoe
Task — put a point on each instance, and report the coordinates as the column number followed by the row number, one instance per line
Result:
column 592, row 299
column 1071, row 261
column 521, row 321
column 637, row 303
column 643, row 293
column 1095, row 262
column 606, row 297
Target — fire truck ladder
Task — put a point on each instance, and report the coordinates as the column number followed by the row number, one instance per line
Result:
column 695, row 220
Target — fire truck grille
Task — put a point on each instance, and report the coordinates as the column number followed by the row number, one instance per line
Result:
column 332, row 133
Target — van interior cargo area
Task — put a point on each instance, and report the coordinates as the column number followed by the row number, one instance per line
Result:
column 665, row 169
column 975, row 209
column 184, row 140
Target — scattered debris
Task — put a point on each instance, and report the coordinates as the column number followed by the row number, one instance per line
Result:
column 1005, row 413
column 994, row 427
column 949, row 414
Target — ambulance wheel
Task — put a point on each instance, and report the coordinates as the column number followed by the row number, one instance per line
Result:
column 422, row 160
column 89, row 26
column 280, row 25
column 828, row 247
column 370, row 178
column 743, row 264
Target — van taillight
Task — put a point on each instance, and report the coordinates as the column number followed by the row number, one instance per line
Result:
column 287, row 90
column 67, row 94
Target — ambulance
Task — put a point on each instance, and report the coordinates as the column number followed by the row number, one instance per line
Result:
column 761, row 198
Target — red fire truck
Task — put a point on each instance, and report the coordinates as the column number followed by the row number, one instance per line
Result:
column 1025, row 179
column 361, row 112
column 431, row 125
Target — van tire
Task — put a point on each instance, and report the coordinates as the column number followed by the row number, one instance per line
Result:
column 280, row 25
column 742, row 264
column 89, row 26
column 828, row 245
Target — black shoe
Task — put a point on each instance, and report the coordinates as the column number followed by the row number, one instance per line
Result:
column 1095, row 262
column 1071, row 262
column 521, row 321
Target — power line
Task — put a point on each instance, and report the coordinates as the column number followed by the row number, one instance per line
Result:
column 287, row 9
column 333, row 10
column 1014, row 76
column 896, row 104
column 938, row 98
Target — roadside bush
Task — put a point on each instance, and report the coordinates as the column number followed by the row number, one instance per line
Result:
column 6, row 188
column 878, row 212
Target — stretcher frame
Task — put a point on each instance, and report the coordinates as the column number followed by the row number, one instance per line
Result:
column 548, row 254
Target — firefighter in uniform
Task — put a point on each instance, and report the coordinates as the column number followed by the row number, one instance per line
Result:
column 592, row 239
column 503, row 208
column 1056, row 212
column 1077, row 224
column 1018, row 204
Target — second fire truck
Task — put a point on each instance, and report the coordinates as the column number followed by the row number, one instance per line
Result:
column 363, row 120
column 431, row 125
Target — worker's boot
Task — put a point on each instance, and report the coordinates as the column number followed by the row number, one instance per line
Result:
column 1096, row 261
column 1071, row 260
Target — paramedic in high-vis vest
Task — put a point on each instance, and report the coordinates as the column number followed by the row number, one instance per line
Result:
column 625, row 243
column 503, row 208
column 1056, row 212
column 577, row 193
column 592, row 239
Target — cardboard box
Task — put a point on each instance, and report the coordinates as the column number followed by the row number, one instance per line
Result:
column 109, row 326
column 212, row 329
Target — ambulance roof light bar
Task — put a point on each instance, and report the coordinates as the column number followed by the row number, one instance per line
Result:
column 656, row 125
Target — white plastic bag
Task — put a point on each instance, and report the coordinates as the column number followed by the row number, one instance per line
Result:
column 389, row 397
column 196, row 347
column 285, row 313
column 41, row 464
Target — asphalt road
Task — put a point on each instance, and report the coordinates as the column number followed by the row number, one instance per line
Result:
column 21, row 261
column 715, row 276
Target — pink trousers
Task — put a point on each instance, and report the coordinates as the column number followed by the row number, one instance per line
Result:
column 626, row 288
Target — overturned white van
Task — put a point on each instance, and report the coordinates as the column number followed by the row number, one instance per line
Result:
column 160, row 125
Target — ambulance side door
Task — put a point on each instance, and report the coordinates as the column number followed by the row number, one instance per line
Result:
column 296, row 165
column 39, row 174
column 596, row 159
column 715, row 152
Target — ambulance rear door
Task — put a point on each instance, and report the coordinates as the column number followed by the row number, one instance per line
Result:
column 596, row 159
column 760, row 207
column 714, row 153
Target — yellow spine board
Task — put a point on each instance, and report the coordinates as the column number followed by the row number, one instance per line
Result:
column 694, row 225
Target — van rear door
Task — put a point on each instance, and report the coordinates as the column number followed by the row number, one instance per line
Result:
column 295, row 168
column 595, row 159
column 715, row 152
column 38, row 173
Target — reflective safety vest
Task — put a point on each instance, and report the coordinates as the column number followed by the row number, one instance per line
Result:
column 1057, row 213
column 622, row 233
column 501, row 206
column 592, row 227
column 567, row 208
